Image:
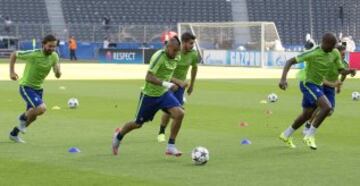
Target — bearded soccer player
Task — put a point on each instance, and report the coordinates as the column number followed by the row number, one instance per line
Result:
column 39, row 63
column 189, row 57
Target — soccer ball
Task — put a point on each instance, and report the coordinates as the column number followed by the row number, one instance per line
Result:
column 355, row 96
column 200, row 155
column 272, row 98
column 73, row 103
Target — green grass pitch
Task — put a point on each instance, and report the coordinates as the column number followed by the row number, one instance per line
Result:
column 213, row 114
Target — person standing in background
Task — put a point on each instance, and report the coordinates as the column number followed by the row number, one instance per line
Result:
column 72, row 48
column 106, row 43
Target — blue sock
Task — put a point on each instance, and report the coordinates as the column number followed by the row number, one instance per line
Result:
column 171, row 141
column 119, row 136
column 23, row 117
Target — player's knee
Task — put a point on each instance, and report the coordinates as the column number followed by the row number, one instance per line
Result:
column 40, row 110
column 307, row 113
column 179, row 114
column 327, row 109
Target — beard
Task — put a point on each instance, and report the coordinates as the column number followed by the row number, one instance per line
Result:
column 47, row 52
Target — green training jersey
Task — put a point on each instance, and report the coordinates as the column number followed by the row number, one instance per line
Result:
column 163, row 68
column 187, row 59
column 300, row 75
column 318, row 63
column 333, row 73
column 37, row 67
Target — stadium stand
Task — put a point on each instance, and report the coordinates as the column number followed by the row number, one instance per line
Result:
column 29, row 15
column 293, row 18
column 140, row 12
column 84, row 17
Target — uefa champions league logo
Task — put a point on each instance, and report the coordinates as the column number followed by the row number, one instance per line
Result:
column 108, row 55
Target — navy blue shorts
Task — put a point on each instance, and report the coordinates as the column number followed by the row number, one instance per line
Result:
column 179, row 94
column 311, row 93
column 330, row 94
column 32, row 97
column 148, row 106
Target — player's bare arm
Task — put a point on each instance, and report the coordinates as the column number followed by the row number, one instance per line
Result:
column 57, row 71
column 151, row 78
column 283, row 82
column 332, row 84
column 192, row 80
column 13, row 75
column 345, row 72
column 178, row 82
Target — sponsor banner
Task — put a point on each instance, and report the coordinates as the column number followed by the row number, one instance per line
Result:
column 215, row 57
column 121, row 56
column 278, row 59
column 245, row 59
column 248, row 59
column 354, row 60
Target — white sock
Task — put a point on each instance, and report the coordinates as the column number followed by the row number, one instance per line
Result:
column 306, row 130
column 289, row 131
column 311, row 131
column 171, row 146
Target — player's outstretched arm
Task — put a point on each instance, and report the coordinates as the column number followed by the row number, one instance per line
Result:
column 57, row 71
column 192, row 80
column 13, row 75
column 151, row 78
column 345, row 72
column 342, row 78
column 179, row 83
column 283, row 82
column 332, row 84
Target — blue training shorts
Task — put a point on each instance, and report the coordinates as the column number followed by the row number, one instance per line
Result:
column 179, row 95
column 311, row 93
column 148, row 106
column 330, row 94
column 32, row 97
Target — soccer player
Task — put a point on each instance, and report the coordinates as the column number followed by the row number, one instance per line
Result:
column 319, row 62
column 156, row 95
column 189, row 57
column 38, row 65
column 331, row 85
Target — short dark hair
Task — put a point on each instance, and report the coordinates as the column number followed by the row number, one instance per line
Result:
column 187, row 36
column 48, row 38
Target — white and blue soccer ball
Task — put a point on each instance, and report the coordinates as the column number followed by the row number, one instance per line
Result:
column 355, row 96
column 272, row 98
column 73, row 103
column 200, row 155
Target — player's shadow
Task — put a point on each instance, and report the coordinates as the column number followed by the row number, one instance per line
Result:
column 277, row 151
column 6, row 142
column 284, row 151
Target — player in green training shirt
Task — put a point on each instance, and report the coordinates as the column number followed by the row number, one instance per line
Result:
column 189, row 57
column 318, row 63
column 157, row 95
column 38, row 65
column 331, row 85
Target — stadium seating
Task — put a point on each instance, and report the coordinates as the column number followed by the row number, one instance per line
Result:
column 140, row 12
column 29, row 14
column 293, row 21
column 293, row 18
